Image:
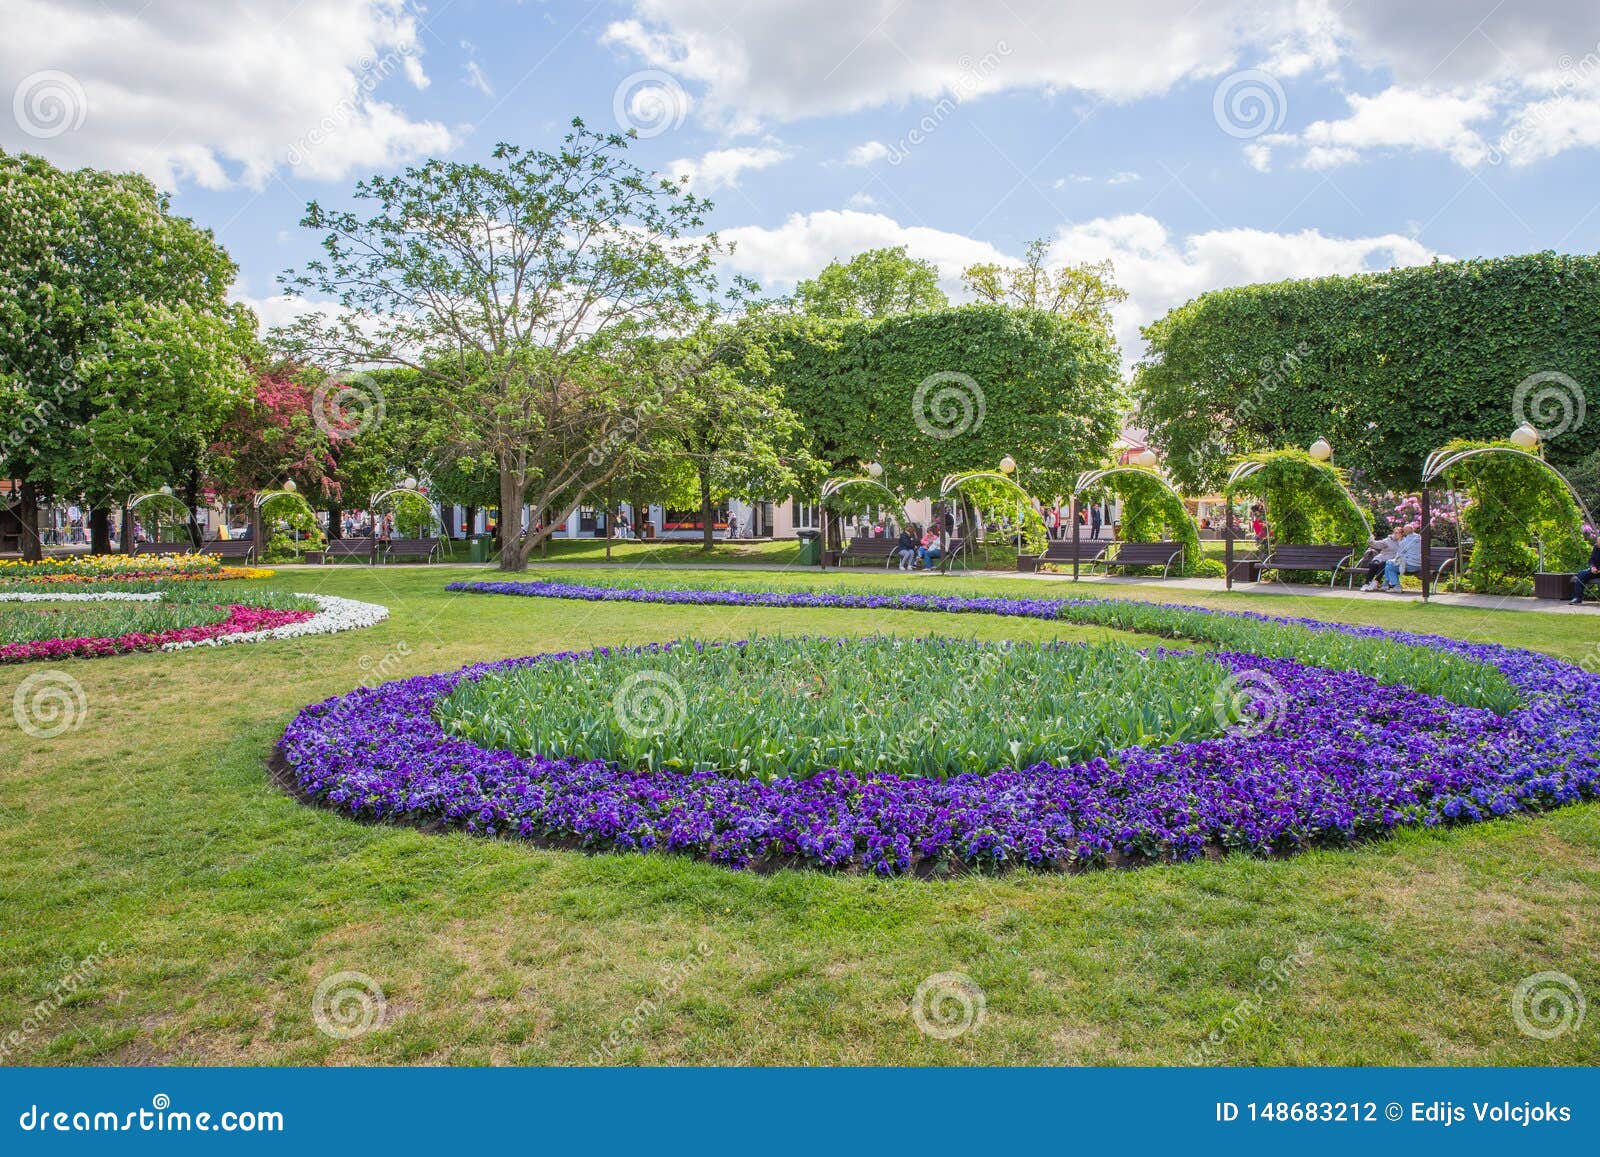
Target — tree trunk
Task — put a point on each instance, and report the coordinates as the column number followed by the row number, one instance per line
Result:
column 512, row 557
column 128, row 544
column 335, row 521
column 28, row 511
column 708, row 530
column 99, row 530
column 191, row 498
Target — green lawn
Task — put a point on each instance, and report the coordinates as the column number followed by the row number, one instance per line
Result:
column 154, row 829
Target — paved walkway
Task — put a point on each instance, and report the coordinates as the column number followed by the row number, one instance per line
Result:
column 1212, row 586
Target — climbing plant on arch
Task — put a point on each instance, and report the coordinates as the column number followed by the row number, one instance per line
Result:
column 1519, row 504
column 1152, row 509
column 1307, row 501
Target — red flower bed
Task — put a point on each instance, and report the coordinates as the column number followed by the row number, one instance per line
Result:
column 240, row 620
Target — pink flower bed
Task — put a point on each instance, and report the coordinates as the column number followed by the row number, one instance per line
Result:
column 240, row 620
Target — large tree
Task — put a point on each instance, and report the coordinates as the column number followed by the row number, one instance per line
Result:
column 118, row 349
column 734, row 432
column 1084, row 292
column 877, row 283
column 1386, row 366
column 518, row 290
column 930, row 394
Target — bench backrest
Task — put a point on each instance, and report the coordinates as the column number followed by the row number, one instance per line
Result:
column 164, row 548
column 1146, row 553
column 871, row 546
column 1309, row 557
column 1060, row 551
column 228, row 547
column 417, row 546
column 350, row 545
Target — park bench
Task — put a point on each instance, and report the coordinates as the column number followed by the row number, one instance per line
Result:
column 1333, row 559
column 1060, row 553
column 366, row 548
column 1161, row 554
column 164, row 548
column 1440, row 559
column 861, row 549
column 425, row 549
column 239, row 548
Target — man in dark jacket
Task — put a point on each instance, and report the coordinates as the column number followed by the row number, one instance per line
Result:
column 1587, row 575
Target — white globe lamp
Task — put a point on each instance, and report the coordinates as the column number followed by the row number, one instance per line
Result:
column 1321, row 450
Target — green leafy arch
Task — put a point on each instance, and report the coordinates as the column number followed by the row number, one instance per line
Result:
column 1153, row 511
column 1308, row 502
column 1518, row 504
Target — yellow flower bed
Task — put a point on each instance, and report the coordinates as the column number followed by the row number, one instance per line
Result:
column 92, row 568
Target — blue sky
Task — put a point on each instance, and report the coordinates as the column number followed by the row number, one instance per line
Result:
column 1194, row 145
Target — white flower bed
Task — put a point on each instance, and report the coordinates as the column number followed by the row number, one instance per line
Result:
column 335, row 614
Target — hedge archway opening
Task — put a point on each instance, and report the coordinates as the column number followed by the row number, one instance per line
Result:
column 1523, row 515
column 1308, row 502
column 1152, row 510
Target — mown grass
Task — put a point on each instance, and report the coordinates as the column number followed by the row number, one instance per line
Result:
column 154, row 828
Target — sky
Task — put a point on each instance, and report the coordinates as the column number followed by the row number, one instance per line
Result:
column 1194, row 143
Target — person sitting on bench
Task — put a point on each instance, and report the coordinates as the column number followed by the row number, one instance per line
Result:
column 930, row 549
column 1581, row 580
column 906, row 547
column 1384, row 551
column 1407, row 560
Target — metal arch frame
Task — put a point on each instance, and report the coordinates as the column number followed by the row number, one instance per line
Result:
column 1440, row 461
column 1089, row 477
column 135, row 502
column 265, row 496
column 437, row 518
column 832, row 486
column 954, row 481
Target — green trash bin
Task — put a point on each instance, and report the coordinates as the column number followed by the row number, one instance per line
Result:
column 810, row 547
column 482, row 546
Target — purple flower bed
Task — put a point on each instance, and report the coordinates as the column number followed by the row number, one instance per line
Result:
column 1344, row 759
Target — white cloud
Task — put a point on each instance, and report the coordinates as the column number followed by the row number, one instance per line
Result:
column 867, row 152
column 217, row 94
column 1126, row 177
column 720, row 168
column 780, row 256
column 1462, row 74
column 1398, row 118
column 1158, row 270
column 862, row 201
